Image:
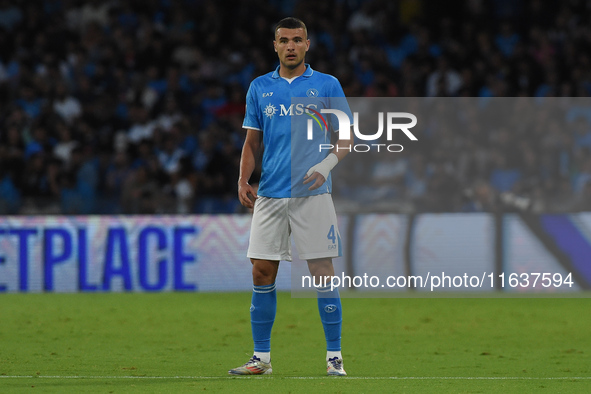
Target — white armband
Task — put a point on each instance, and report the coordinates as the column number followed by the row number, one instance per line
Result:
column 325, row 166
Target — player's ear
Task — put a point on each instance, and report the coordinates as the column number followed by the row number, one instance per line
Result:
column 275, row 45
column 307, row 45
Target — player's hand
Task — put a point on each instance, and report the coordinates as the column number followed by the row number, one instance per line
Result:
column 246, row 195
column 319, row 172
column 317, row 178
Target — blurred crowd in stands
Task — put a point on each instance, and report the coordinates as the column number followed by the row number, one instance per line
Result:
column 136, row 106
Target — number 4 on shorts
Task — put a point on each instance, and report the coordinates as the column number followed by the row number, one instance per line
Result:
column 331, row 235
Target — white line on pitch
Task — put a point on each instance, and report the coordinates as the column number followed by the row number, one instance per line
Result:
column 305, row 377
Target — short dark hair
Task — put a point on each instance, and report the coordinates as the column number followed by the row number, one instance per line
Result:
column 291, row 23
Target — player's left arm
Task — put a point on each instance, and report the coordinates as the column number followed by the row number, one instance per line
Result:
column 318, row 174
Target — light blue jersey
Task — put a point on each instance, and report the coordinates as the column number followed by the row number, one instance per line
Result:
column 288, row 154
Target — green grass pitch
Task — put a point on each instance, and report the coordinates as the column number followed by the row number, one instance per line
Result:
column 182, row 342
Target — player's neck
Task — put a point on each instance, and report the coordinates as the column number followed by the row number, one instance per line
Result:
column 289, row 73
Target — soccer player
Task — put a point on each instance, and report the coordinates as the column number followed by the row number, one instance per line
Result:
column 292, row 196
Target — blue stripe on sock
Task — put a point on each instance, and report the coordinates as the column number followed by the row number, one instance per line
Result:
column 264, row 289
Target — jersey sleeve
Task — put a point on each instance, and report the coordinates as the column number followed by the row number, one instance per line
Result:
column 337, row 100
column 252, row 118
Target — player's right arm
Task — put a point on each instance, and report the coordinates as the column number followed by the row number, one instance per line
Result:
column 250, row 151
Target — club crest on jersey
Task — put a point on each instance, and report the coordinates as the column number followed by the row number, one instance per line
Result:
column 312, row 93
column 270, row 110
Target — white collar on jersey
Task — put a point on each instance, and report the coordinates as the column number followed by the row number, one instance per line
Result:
column 307, row 73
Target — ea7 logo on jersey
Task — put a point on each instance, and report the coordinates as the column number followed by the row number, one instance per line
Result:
column 267, row 94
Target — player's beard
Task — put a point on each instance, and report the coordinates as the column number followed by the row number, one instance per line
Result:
column 292, row 66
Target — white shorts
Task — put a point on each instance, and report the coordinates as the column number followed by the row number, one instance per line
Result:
column 312, row 220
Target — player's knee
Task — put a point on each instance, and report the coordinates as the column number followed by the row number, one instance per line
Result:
column 261, row 278
column 321, row 267
column 263, row 275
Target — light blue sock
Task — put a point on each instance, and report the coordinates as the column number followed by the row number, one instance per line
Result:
column 331, row 316
column 262, row 316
